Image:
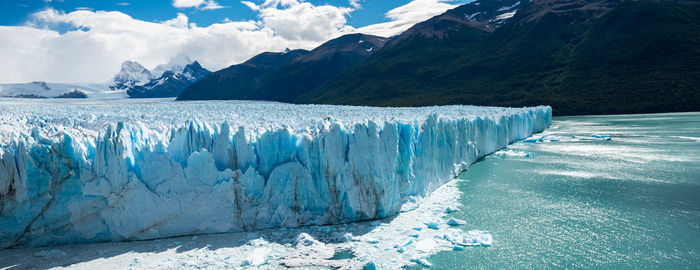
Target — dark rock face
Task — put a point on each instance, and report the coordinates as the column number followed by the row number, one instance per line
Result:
column 43, row 85
column 73, row 94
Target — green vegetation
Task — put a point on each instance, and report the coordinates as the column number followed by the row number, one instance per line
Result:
column 640, row 57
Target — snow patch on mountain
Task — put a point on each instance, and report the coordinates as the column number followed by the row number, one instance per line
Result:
column 469, row 17
column 506, row 15
column 510, row 7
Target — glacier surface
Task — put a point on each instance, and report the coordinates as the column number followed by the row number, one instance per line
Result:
column 89, row 172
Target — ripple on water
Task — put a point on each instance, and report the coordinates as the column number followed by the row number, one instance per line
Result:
column 631, row 202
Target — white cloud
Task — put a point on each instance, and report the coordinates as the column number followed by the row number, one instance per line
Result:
column 99, row 41
column 181, row 21
column 211, row 5
column 187, row 3
column 124, row 4
column 403, row 17
column 298, row 20
column 201, row 4
column 355, row 3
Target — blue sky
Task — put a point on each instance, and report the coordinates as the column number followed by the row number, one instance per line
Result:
column 18, row 12
column 86, row 41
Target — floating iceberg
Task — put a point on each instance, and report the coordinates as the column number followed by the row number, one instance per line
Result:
column 596, row 137
column 540, row 139
column 455, row 222
column 514, row 153
column 89, row 172
column 470, row 238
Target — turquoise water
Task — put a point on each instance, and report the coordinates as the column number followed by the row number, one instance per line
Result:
column 631, row 202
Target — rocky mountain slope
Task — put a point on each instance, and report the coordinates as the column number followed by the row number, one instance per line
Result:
column 581, row 57
column 285, row 76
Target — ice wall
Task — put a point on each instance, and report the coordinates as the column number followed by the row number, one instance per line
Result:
column 86, row 173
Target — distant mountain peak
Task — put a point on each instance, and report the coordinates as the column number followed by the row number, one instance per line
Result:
column 194, row 64
column 130, row 74
column 172, row 81
column 176, row 64
column 194, row 72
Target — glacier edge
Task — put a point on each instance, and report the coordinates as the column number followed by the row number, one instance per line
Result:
column 133, row 182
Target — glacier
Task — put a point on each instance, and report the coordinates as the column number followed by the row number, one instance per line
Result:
column 131, row 170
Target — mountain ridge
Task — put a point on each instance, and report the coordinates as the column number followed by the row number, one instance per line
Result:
column 580, row 56
column 283, row 76
column 578, row 60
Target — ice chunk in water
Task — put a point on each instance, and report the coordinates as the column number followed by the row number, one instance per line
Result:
column 422, row 261
column 514, row 153
column 455, row 222
column 539, row 139
column 451, row 209
column 256, row 257
column 433, row 225
column 471, row 238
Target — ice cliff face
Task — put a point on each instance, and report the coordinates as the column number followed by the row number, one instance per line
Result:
column 96, row 172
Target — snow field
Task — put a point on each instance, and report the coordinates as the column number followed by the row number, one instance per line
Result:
column 90, row 172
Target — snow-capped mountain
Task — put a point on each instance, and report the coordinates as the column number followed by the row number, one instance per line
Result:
column 165, row 80
column 176, row 65
column 170, row 83
column 130, row 74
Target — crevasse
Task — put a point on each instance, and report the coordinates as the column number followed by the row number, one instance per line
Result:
column 74, row 177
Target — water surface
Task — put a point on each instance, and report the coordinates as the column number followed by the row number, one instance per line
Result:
column 630, row 202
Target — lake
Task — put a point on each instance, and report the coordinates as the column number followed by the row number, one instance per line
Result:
column 583, row 202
